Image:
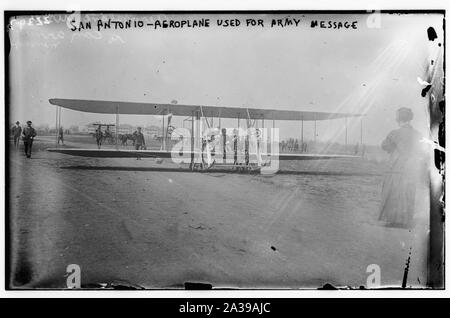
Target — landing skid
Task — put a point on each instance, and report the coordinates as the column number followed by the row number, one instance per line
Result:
column 239, row 167
column 197, row 166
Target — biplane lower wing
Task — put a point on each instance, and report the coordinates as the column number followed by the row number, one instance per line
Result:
column 295, row 156
column 112, row 153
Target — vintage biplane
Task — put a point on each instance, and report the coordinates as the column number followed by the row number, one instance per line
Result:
column 225, row 152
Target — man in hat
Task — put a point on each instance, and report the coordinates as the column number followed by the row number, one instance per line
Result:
column 140, row 140
column 16, row 132
column 61, row 135
column 98, row 137
column 28, row 134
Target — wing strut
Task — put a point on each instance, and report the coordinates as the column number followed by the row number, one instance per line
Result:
column 361, row 132
column 117, row 127
column 191, row 166
column 163, row 144
column 302, row 136
column 56, row 126
column 315, row 132
column 346, row 131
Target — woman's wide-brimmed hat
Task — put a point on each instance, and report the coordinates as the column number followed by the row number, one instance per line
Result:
column 404, row 114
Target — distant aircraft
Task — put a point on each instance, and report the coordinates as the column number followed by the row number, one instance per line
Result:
column 200, row 156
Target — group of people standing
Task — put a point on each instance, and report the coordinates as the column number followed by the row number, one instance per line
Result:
column 28, row 133
column 293, row 145
column 137, row 137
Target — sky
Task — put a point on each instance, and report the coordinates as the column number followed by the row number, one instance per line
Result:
column 372, row 70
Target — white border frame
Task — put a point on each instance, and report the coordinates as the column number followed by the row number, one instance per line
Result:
column 132, row 5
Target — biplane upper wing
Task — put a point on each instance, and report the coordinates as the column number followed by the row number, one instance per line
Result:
column 133, row 108
column 125, row 153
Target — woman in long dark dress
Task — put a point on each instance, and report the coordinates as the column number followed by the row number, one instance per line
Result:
column 406, row 170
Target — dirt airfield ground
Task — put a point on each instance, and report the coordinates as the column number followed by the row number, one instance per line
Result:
column 138, row 223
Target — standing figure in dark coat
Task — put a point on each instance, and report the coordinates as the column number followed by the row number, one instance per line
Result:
column 98, row 137
column 16, row 132
column 139, row 143
column 28, row 136
column 407, row 169
column 61, row 135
